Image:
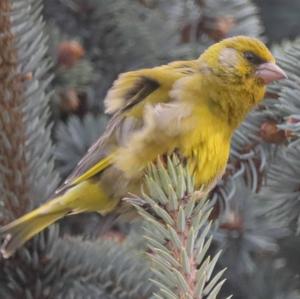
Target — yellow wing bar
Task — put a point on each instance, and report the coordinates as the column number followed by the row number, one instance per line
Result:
column 98, row 167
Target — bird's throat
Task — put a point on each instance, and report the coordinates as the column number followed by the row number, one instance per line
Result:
column 234, row 103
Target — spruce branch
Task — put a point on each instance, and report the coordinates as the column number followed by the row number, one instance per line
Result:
column 174, row 214
column 101, row 269
column 25, row 151
column 244, row 232
column 281, row 191
column 26, row 163
column 288, row 56
column 272, row 282
column 75, row 268
column 13, row 184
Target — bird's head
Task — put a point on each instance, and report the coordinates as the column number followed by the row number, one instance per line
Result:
column 238, row 68
column 242, row 60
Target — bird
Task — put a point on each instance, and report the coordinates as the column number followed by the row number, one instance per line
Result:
column 189, row 107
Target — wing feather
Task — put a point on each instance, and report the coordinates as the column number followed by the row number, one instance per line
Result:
column 128, row 91
column 98, row 167
column 134, row 87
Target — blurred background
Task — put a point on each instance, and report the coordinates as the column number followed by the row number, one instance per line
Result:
column 257, row 203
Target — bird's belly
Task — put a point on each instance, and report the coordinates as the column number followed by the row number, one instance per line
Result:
column 207, row 160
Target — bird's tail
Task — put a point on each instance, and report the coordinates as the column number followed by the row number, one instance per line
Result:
column 22, row 229
column 85, row 196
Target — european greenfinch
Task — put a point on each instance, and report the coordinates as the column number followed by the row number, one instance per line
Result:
column 188, row 107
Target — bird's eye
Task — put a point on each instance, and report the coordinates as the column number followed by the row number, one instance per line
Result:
column 251, row 57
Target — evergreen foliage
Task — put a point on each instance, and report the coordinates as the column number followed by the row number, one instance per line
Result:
column 74, row 138
column 282, row 186
column 174, row 214
column 256, row 204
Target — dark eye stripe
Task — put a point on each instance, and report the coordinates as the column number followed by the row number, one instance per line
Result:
column 253, row 58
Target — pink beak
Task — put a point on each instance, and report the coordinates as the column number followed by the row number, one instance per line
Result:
column 270, row 72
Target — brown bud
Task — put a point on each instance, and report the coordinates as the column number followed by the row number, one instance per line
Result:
column 26, row 77
column 215, row 213
column 185, row 35
column 271, row 95
column 233, row 222
column 270, row 133
column 70, row 101
column 69, row 52
column 217, row 28
column 222, row 27
column 200, row 3
column 115, row 236
column 291, row 121
column 148, row 3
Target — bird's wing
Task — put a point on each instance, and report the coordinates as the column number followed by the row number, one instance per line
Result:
column 137, row 88
column 128, row 90
column 100, row 154
column 127, row 99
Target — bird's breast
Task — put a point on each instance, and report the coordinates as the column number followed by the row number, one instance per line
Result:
column 206, row 152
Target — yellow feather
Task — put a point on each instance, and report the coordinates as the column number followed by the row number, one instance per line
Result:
column 97, row 168
column 86, row 196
